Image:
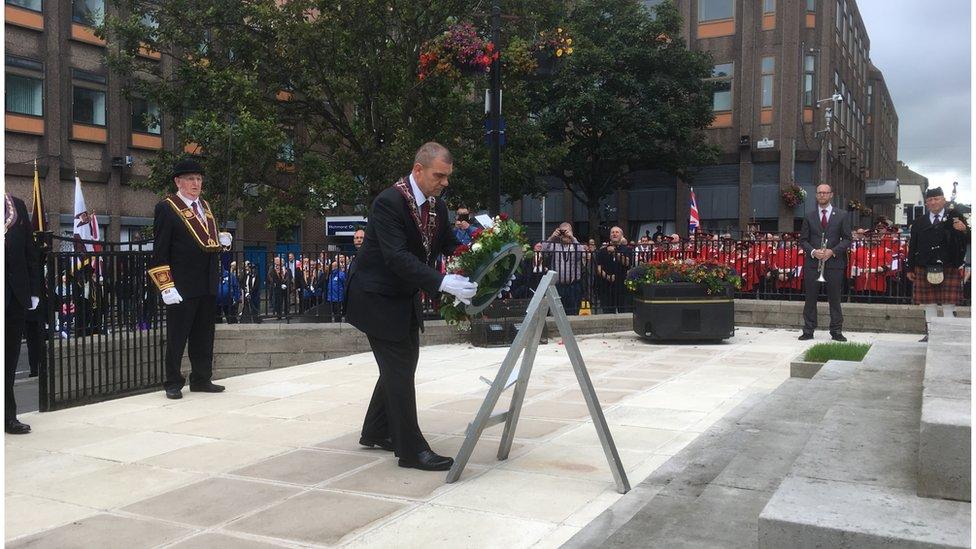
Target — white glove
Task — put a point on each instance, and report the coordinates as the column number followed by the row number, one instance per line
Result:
column 34, row 301
column 284, row 286
column 225, row 238
column 460, row 287
column 506, row 287
column 171, row 296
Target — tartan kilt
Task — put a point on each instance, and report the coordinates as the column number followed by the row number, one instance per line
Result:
column 947, row 293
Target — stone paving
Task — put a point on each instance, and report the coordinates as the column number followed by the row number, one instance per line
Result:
column 274, row 461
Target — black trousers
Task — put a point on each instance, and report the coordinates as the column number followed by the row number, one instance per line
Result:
column 835, row 281
column 34, row 334
column 13, row 323
column 392, row 411
column 190, row 326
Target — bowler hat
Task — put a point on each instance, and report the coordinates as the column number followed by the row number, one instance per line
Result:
column 937, row 191
column 185, row 166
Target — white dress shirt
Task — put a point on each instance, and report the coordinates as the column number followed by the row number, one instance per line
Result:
column 418, row 195
column 189, row 204
column 941, row 216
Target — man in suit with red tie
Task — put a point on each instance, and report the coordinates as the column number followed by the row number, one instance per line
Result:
column 407, row 230
column 185, row 269
column 825, row 235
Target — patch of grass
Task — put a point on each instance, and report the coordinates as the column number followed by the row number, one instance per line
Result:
column 822, row 352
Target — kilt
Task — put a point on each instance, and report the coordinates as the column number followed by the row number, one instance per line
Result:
column 947, row 293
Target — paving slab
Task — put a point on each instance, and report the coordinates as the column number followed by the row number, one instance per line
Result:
column 222, row 541
column 104, row 531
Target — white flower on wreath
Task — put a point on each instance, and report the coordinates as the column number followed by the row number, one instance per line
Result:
column 476, row 247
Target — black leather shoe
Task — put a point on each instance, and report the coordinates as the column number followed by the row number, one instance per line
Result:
column 208, row 388
column 924, row 339
column 174, row 394
column 838, row 337
column 805, row 337
column 428, row 461
column 382, row 443
column 15, row 427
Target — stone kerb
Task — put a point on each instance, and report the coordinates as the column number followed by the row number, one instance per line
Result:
column 945, row 431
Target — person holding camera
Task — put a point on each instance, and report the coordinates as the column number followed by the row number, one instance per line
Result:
column 936, row 252
column 565, row 256
column 463, row 231
column 612, row 262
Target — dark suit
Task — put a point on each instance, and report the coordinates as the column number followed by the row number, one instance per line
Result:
column 277, row 295
column 22, row 280
column 838, row 236
column 196, row 274
column 383, row 301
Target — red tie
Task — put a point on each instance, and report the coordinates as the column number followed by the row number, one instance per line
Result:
column 823, row 218
column 196, row 210
column 425, row 212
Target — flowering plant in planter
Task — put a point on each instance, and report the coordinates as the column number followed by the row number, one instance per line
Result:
column 491, row 260
column 458, row 50
column 794, row 195
column 556, row 43
column 713, row 276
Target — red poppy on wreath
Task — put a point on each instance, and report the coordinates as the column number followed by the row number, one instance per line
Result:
column 503, row 216
column 476, row 234
column 462, row 248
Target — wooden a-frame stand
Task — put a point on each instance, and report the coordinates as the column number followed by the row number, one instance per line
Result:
column 526, row 343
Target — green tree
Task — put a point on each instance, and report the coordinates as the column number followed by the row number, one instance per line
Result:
column 352, row 111
column 631, row 96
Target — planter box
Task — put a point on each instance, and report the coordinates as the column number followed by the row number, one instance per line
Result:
column 804, row 369
column 683, row 311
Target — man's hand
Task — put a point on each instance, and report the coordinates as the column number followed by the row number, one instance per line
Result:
column 828, row 253
column 34, row 302
column 460, row 287
column 958, row 225
column 911, row 277
column 506, row 287
column 225, row 239
column 171, row 296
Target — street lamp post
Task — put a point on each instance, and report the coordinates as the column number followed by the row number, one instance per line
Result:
column 494, row 115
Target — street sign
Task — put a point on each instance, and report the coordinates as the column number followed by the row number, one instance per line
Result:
column 343, row 225
column 765, row 143
column 489, row 127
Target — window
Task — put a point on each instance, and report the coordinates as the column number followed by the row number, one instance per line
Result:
column 34, row 5
column 870, row 97
column 809, row 64
column 651, row 7
column 714, row 10
column 90, row 13
column 722, row 94
column 839, row 20
column 145, row 117
column 25, row 95
column 769, row 7
column 811, row 5
column 768, row 69
column 89, row 106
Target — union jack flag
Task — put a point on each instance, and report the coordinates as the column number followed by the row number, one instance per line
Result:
column 693, row 220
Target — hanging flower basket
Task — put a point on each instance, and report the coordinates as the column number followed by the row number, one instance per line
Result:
column 794, row 195
column 459, row 51
column 556, row 43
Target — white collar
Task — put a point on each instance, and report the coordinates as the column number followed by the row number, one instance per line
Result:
column 941, row 214
column 189, row 201
column 418, row 195
column 828, row 207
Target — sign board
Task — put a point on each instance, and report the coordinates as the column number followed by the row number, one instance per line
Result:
column 765, row 143
column 343, row 225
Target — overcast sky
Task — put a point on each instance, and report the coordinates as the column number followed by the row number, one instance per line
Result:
column 923, row 50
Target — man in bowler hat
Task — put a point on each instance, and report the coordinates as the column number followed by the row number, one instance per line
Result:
column 185, row 268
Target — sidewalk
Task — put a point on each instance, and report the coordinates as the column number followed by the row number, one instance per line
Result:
column 274, row 461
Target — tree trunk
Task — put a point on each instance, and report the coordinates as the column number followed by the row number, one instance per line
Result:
column 593, row 213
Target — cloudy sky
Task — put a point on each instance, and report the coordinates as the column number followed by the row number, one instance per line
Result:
column 923, row 49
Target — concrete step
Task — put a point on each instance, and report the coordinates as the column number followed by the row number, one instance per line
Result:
column 853, row 484
column 945, row 431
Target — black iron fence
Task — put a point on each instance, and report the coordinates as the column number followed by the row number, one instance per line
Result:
column 105, row 323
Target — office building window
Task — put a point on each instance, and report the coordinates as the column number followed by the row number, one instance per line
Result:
column 839, row 19
column 34, row 5
column 89, row 106
column 145, row 117
column 811, row 5
column 25, row 95
column 769, row 7
column 870, row 97
column 715, row 10
column 809, row 64
column 722, row 94
column 90, row 13
column 768, row 70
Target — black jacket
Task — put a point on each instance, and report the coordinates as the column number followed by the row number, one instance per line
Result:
column 929, row 244
column 838, row 238
column 195, row 272
column 391, row 268
column 21, row 261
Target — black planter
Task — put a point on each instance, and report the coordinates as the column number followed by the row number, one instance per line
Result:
column 683, row 311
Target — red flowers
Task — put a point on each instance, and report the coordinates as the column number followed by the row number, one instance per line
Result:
column 476, row 234
column 461, row 249
column 503, row 216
